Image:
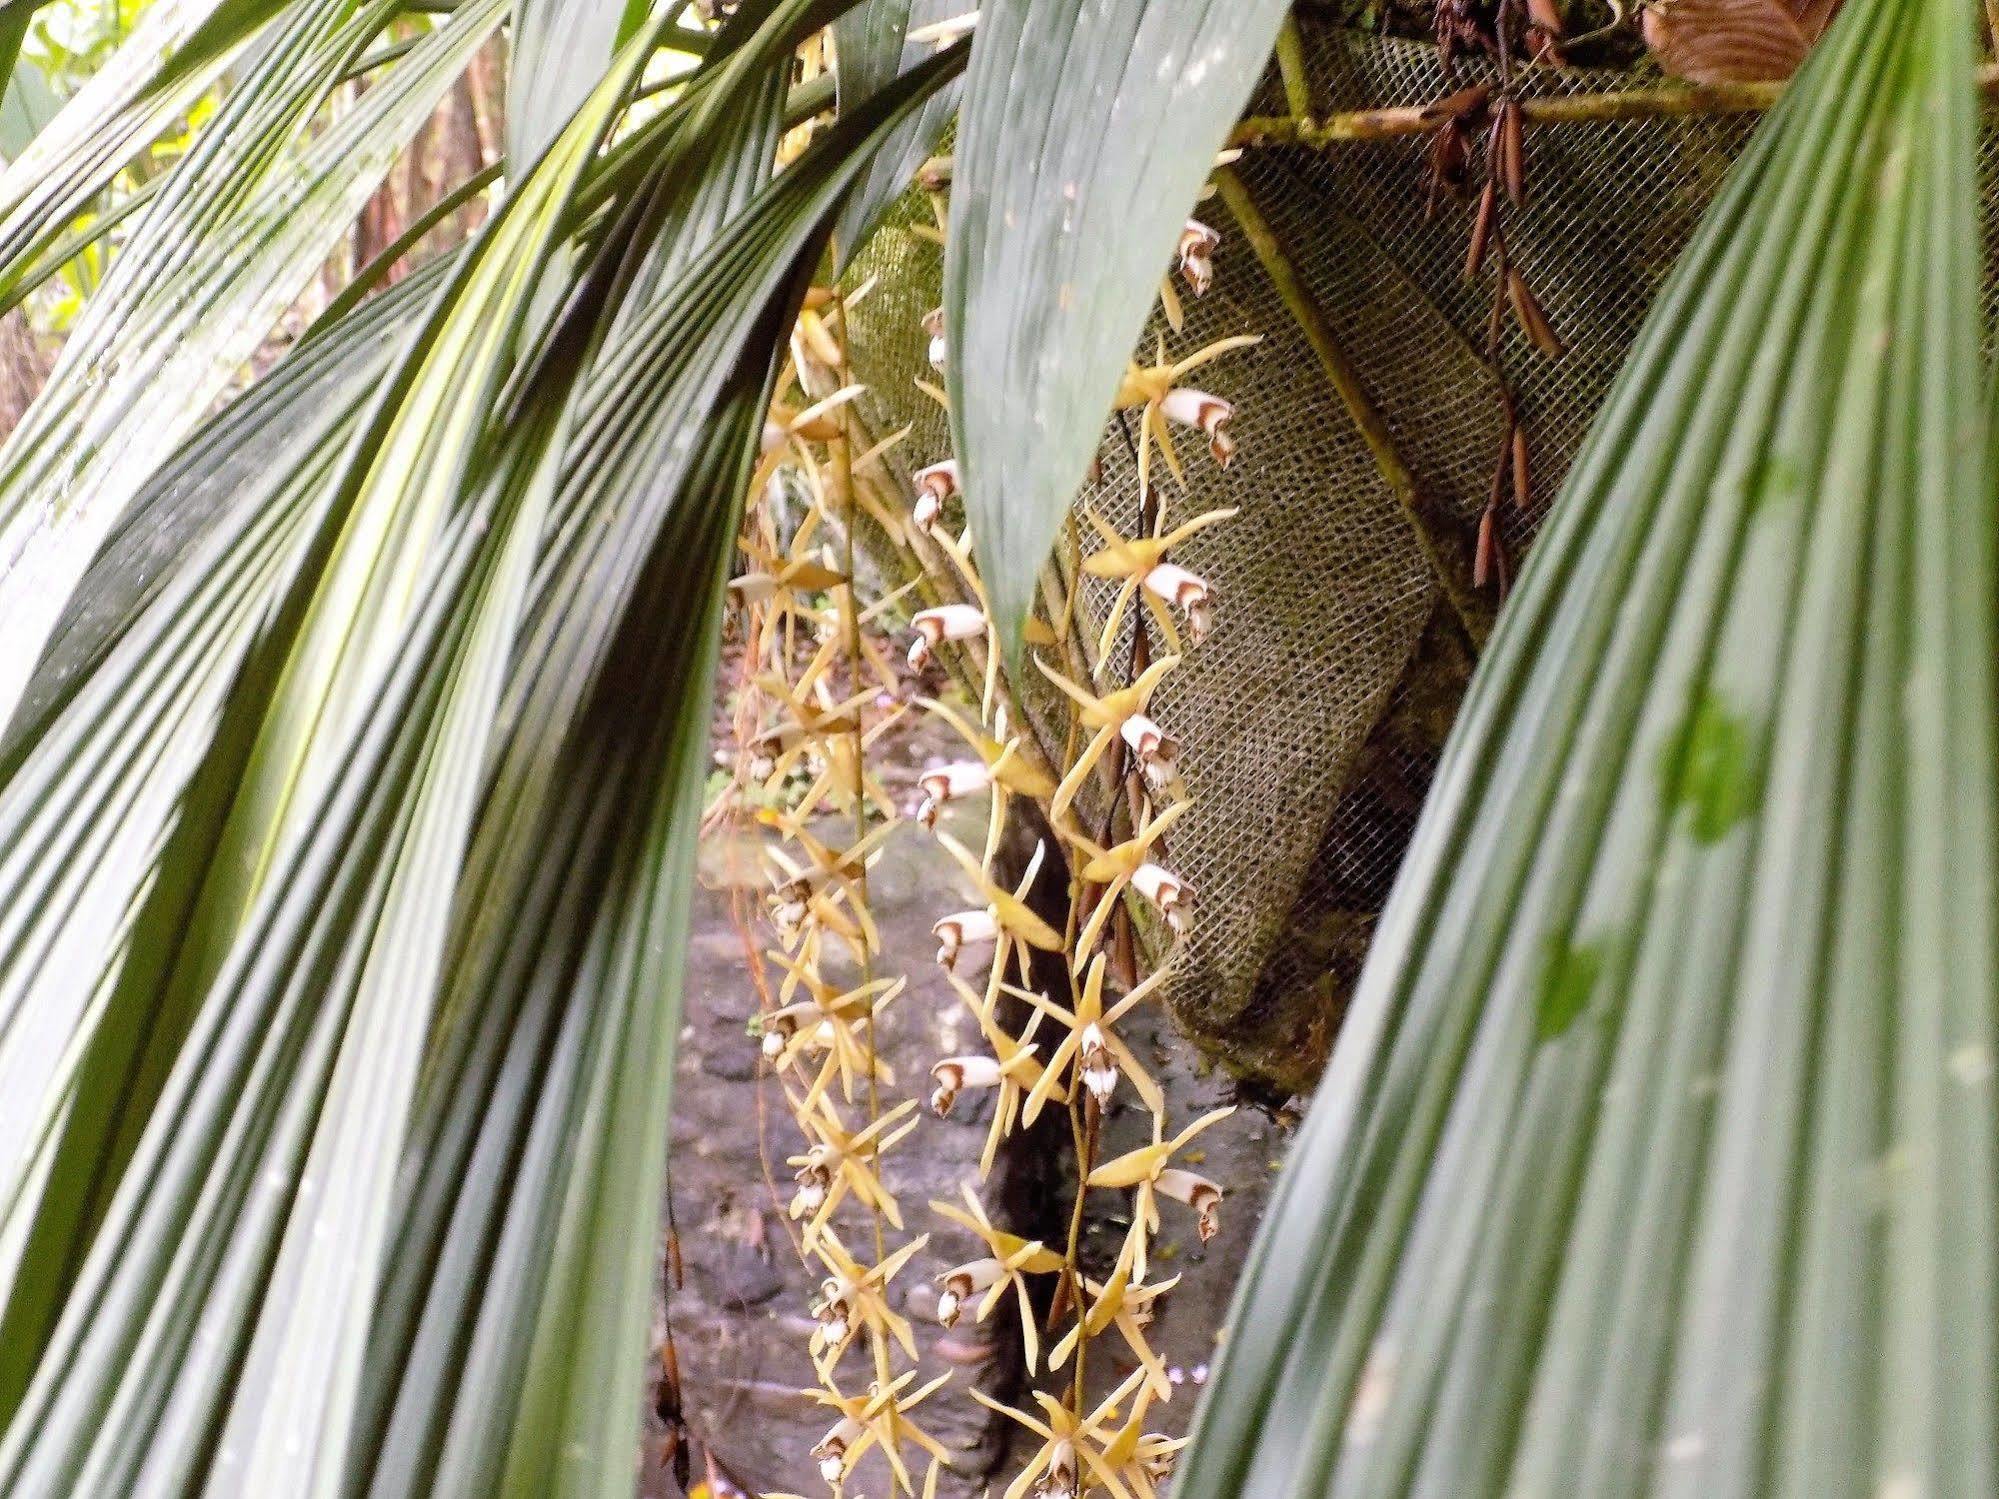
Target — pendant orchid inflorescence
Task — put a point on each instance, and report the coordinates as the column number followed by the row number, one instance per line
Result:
column 821, row 686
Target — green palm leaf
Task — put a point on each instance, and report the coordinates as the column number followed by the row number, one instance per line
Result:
column 340, row 1160
column 1087, row 131
column 216, row 257
column 1658, row 1155
column 871, row 46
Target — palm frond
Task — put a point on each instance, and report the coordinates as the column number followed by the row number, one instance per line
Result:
column 340, row 1154
column 1086, row 134
column 1658, row 1154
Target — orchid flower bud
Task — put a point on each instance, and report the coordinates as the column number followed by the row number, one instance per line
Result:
column 964, row 929
column 1198, row 244
column 1200, row 1194
column 946, row 622
column 1166, row 890
column 933, row 325
column 954, row 1074
column 1189, row 591
column 775, row 435
column 1196, row 408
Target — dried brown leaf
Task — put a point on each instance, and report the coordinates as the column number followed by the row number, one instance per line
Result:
column 1735, row 41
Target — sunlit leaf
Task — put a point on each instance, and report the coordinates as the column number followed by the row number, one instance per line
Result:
column 212, row 263
column 383, row 1016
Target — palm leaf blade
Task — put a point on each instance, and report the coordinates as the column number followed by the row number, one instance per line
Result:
column 1658, row 1154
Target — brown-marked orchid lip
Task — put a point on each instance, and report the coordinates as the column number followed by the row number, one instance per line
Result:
column 946, row 622
column 1175, row 584
column 1187, row 590
column 962, row 778
column 831, row 1450
column 1198, row 244
column 962, row 1282
column 961, row 930
column 1166, row 890
column 1211, row 414
column 1147, row 740
column 1200, row 1194
column 949, row 783
column 939, row 478
column 954, row 1074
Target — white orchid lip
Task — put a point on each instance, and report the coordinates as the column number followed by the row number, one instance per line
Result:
column 961, row 778
column 1096, row 1064
column 1175, row 584
column 1198, row 244
column 811, row 1193
column 962, row 1282
column 934, row 485
column 831, row 1449
column 1188, row 591
column 1210, row 414
column 962, row 930
column 949, row 783
column 933, row 325
column 1166, row 890
column 1200, row 1194
column 949, row 622
column 955, row 1074
column 777, row 1032
column 946, row 622
column 1147, row 740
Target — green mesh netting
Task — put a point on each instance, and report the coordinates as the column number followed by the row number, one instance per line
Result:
column 1312, row 716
